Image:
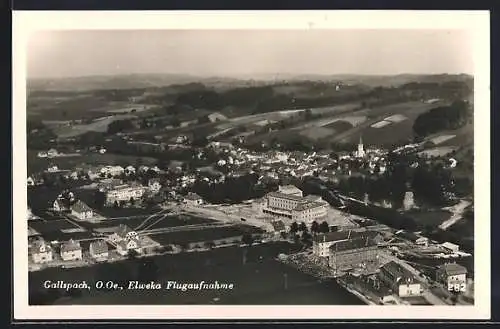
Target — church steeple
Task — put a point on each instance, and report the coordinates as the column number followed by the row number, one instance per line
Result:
column 361, row 150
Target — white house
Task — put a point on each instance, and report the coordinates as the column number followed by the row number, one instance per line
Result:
column 125, row 193
column 193, row 199
column 59, row 205
column 99, row 250
column 122, row 232
column 81, row 211
column 41, row 252
column 400, row 280
column 53, row 169
column 451, row 273
column 154, row 185
column 52, row 153
column 112, row 170
column 130, row 170
column 42, row 154
column 30, row 181
column 123, row 247
column 71, row 250
column 451, row 246
column 143, row 169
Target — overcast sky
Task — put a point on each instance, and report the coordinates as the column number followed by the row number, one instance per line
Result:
column 235, row 53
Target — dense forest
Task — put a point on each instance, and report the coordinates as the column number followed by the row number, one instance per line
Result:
column 442, row 118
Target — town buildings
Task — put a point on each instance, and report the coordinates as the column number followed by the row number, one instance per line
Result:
column 124, row 193
column 346, row 254
column 99, row 250
column 122, row 232
column 41, row 252
column 71, row 250
column 193, row 199
column 451, row 274
column 154, row 185
column 399, row 280
column 81, row 211
column 112, row 171
column 451, row 246
column 289, row 203
column 323, row 242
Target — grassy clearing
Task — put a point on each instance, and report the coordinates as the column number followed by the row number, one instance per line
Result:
column 431, row 218
column 438, row 151
column 393, row 133
column 208, row 234
column 317, row 133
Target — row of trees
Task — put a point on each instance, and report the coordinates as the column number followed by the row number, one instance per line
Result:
column 235, row 189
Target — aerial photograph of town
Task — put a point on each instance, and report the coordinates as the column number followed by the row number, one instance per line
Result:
column 250, row 167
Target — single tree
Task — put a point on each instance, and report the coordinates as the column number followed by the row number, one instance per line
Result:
column 303, row 227
column 132, row 201
column 132, row 254
column 116, row 204
column 314, row 227
column 307, row 239
column 209, row 244
column 294, row 228
column 247, row 239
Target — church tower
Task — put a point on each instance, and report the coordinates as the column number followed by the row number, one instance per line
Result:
column 361, row 150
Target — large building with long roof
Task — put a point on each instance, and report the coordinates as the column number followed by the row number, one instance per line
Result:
column 289, row 203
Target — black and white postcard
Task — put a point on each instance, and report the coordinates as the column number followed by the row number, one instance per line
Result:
column 251, row 165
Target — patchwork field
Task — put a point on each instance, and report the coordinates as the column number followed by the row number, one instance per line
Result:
column 387, row 125
column 74, row 107
column 98, row 125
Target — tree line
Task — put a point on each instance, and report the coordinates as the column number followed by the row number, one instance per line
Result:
column 442, row 118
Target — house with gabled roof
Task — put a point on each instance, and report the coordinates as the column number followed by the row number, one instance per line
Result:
column 41, row 252
column 122, row 232
column 193, row 199
column 81, row 211
column 346, row 254
column 123, row 247
column 154, row 185
column 451, row 273
column 99, row 250
column 71, row 250
column 401, row 281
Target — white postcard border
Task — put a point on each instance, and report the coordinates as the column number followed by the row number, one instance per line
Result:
column 477, row 22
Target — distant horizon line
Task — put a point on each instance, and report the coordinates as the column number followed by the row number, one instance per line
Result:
column 245, row 76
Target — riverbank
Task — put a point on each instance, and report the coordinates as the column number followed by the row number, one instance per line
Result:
column 308, row 265
column 257, row 277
